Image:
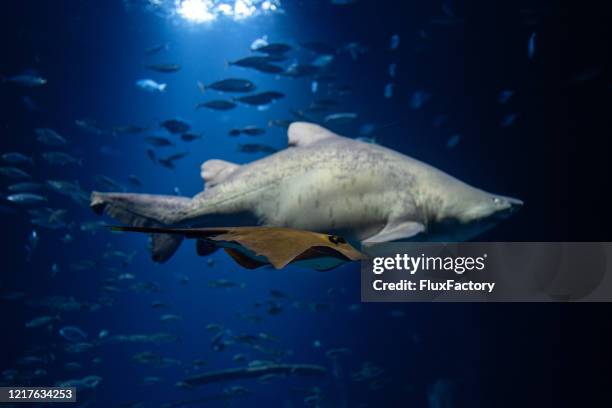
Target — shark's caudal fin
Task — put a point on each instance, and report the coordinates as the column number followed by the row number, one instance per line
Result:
column 145, row 210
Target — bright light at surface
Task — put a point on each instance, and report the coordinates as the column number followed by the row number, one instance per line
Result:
column 198, row 11
column 201, row 11
column 243, row 8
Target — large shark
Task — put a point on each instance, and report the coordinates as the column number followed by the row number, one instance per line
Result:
column 322, row 182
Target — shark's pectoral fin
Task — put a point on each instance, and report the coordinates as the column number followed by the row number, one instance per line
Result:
column 302, row 134
column 215, row 171
column 397, row 231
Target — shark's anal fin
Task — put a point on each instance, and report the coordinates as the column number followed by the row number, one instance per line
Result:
column 395, row 231
column 303, row 134
column 215, row 171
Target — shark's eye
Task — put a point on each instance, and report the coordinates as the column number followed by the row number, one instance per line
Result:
column 497, row 201
column 334, row 239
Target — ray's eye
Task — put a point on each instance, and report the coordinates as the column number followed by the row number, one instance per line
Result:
column 334, row 239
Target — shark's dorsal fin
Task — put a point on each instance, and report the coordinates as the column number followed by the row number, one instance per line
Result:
column 305, row 134
column 215, row 171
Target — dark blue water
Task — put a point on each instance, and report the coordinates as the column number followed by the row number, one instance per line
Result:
column 430, row 354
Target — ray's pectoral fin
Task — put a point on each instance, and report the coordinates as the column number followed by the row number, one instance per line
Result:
column 396, row 232
column 244, row 260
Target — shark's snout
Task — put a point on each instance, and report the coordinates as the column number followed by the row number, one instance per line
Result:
column 507, row 206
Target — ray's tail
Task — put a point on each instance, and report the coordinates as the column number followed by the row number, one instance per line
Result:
column 146, row 210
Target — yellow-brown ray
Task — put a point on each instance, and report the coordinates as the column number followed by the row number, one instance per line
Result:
column 279, row 246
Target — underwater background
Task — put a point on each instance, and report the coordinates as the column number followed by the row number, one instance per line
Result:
column 473, row 91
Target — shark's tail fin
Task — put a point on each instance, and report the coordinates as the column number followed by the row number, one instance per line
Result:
column 145, row 210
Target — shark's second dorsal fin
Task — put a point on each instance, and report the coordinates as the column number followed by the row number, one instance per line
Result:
column 305, row 134
column 215, row 171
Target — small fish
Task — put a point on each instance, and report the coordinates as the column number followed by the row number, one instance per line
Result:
column 343, row 117
column 92, row 226
column 388, row 91
column 151, row 155
column 72, row 333
column 65, row 187
column 281, row 123
column 219, row 104
column 248, row 130
column 26, row 80
column 301, row 70
column 17, row 158
column 41, row 321
column 508, row 120
column 531, row 45
column 319, row 47
column 252, row 62
column 164, row 68
column 256, row 148
column 504, row 96
column 392, row 70
column 230, row 85
column 14, row 173
column 262, row 64
column 355, row 49
column 453, row 141
column 395, row 42
column 108, row 183
column 150, row 85
column 134, row 180
column 79, row 347
column 419, row 98
column 263, row 98
column 223, row 283
column 175, row 126
column 314, row 86
column 91, row 126
column 158, row 141
column 30, row 104
column 170, row 318
column 190, row 137
column 169, row 161
column 176, row 156
column 49, row 137
column 322, row 61
column 26, row 198
column 27, row 186
column 128, row 129
column 157, row 48
column 61, row 158
column 32, row 244
column 274, row 49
